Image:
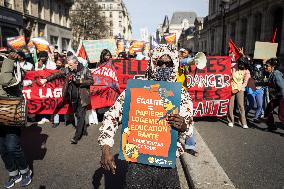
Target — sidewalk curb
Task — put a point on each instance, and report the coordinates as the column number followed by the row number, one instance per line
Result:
column 204, row 171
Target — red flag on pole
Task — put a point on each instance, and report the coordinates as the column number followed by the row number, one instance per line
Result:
column 81, row 51
column 274, row 36
column 234, row 49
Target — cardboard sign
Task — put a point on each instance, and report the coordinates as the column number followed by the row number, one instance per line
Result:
column 210, row 88
column 16, row 42
column 94, row 48
column 147, row 137
column 265, row 50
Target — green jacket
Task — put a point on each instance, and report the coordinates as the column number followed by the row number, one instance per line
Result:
column 7, row 78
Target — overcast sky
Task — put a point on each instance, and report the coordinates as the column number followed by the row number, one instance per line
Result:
column 151, row 13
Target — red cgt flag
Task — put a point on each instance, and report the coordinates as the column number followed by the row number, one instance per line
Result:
column 81, row 51
column 274, row 36
column 234, row 49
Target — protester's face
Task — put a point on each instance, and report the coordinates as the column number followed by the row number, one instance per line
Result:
column 185, row 54
column 59, row 64
column 164, row 68
column 107, row 57
column 56, row 55
column 43, row 59
column 268, row 68
column 72, row 64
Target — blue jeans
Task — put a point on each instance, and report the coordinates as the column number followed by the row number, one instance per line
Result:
column 11, row 151
column 258, row 98
column 190, row 143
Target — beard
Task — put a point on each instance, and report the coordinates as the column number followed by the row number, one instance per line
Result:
column 163, row 74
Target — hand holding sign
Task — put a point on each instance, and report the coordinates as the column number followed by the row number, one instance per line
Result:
column 177, row 122
column 107, row 160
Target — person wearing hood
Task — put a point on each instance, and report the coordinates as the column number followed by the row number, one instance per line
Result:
column 163, row 66
column 78, row 80
column 11, row 151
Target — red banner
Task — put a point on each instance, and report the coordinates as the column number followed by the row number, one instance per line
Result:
column 129, row 69
column 210, row 88
column 106, row 89
column 44, row 99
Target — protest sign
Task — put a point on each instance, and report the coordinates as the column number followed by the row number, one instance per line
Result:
column 16, row 42
column 41, row 44
column 210, row 88
column 94, row 48
column 128, row 69
column 44, row 99
column 147, row 137
column 171, row 38
column 105, row 89
column 265, row 50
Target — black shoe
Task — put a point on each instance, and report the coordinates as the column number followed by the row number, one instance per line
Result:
column 256, row 120
column 85, row 133
column 73, row 141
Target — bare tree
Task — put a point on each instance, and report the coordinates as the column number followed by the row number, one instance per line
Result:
column 86, row 21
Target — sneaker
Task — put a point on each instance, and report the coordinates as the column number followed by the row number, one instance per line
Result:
column 245, row 127
column 26, row 178
column 257, row 120
column 12, row 180
column 73, row 141
column 230, row 124
column 43, row 121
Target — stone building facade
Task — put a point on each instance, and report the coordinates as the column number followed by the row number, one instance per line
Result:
column 179, row 22
column 117, row 17
column 244, row 21
column 47, row 18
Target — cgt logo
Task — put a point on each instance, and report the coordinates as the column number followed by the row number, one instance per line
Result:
column 159, row 161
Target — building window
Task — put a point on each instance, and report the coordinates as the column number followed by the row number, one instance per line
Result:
column 51, row 12
column 243, row 33
column 110, row 24
column 257, row 26
column 110, row 14
column 214, row 3
column 41, row 29
column 120, row 23
column 8, row 4
column 60, row 11
column 54, row 40
column 212, row 40
column 110, row 6
column 104, row 6
column 40, row 9
column 233, row 31
column 65, row 44
column 26, row 6
column 111, row 33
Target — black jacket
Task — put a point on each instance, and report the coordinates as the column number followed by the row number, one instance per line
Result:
column 83, row 74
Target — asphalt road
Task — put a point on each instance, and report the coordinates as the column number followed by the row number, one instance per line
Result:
column 252, row 158
column 57, row 164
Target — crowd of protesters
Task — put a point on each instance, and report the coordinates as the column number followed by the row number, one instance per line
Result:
column 254, row 83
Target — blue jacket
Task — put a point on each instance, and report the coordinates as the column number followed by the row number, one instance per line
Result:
column 276, row 80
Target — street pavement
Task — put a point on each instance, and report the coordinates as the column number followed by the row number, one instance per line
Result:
column 57, row 164
column 252, row 158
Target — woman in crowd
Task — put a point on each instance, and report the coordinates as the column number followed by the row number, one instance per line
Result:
column 240, row 79
column 255, row 90
column 276, row 89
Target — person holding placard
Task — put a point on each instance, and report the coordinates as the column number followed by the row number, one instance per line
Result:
column 163, row 66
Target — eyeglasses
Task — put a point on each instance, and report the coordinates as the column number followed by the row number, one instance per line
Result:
column 167, row 63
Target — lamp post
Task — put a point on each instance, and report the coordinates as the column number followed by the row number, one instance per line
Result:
column 224, row 5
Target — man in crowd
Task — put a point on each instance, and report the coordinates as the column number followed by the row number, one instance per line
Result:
column 78, row 80
column 163, row 67
column 10, row 146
